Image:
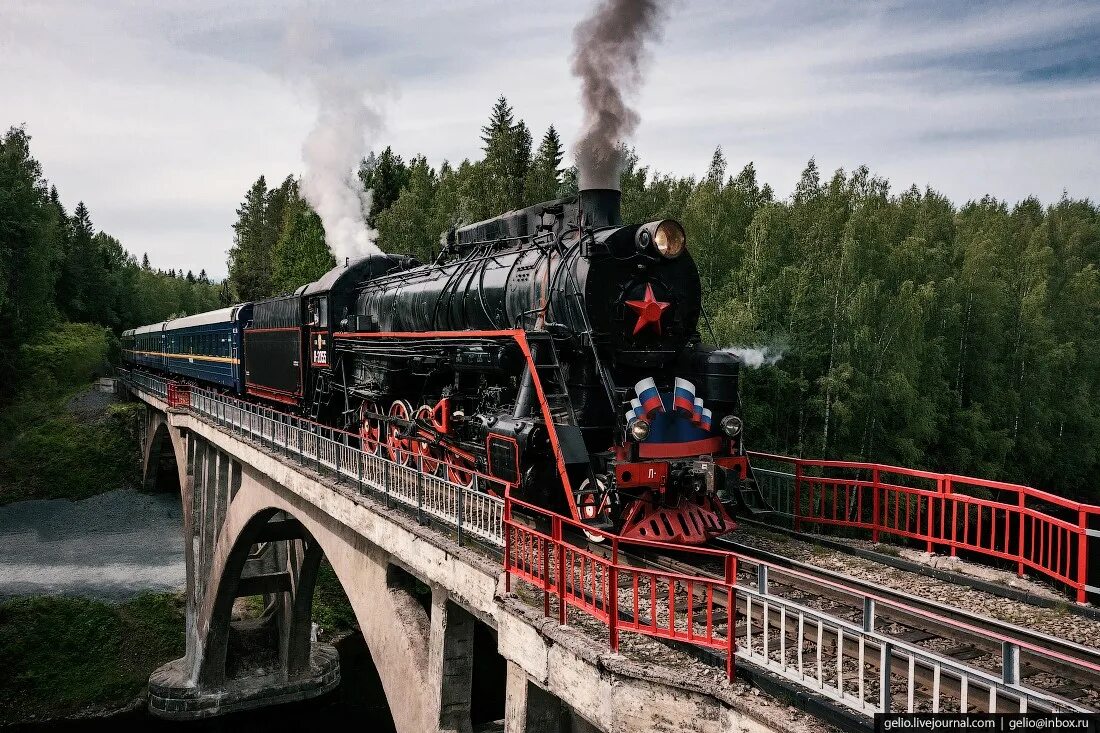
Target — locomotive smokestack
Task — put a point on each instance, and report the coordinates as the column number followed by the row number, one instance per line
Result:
column 608, row 50
column 600, row 207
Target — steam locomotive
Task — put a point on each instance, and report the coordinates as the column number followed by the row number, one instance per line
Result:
column 551, row 349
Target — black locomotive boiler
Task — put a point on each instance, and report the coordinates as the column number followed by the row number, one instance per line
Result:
column 553, row 349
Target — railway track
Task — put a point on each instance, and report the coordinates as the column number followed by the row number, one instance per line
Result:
column 1067, row 674
column 1040, row 652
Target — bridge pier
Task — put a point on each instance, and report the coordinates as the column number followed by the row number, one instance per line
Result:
column 451, row 661
column 236, row 665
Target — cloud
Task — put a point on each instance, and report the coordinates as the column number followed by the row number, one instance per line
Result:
column 169, row 110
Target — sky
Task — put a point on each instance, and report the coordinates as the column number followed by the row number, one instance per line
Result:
column 160, row 115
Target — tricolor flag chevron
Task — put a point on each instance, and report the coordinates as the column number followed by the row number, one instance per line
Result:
column 649, row 396
column 683, row 396
column 697, row 411
column 636, row 411
column 705, row 421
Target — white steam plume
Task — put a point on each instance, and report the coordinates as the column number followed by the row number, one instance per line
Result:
column 332, row 150
column 755, row 357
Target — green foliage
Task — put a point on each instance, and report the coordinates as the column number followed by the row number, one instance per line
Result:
column 384, row 176
column 544, row 174
column 408, row 226
column 59, row 655
column 50, row 445
column 331, row 609
column 50, row 450
column 250, row 264
column 301, row 255
column 66, row 356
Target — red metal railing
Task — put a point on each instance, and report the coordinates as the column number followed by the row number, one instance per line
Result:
column 1038, row 531
column 179, row 395
column 650, row 601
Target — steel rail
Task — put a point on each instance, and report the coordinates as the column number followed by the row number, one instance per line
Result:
column 918, row 610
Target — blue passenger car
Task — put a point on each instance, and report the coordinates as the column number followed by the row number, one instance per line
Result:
column 144, row 346
column 207, row 347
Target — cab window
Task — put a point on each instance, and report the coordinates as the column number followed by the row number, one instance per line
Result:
column 318, row 312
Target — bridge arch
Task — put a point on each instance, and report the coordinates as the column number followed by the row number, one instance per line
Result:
column 395, row 624
column 161, row 467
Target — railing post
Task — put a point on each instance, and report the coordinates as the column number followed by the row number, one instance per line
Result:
column 731, row 615
column 339, row 462
column 1021, row 503
column 559, row 547
column 545, row 575
column 796, row 508
column 420, row 490
column 507, row 531
column 1082, row 556
column 386, row 481
column 613, row 596
column 876, row 506
column 886, row 659
column 868, row 614
column 461, row 492
column 359, row 455
column 301, row 448
column 931, row 513
column 762, row 579
column 1010, row 663
column 948, row 490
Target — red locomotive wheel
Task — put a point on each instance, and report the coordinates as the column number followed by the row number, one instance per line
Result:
column 459, row 469
column 398, row 447
column 370, row 429
column 429, row 453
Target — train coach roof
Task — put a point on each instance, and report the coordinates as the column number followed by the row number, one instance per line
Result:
column 222, row 315
column 152, row 327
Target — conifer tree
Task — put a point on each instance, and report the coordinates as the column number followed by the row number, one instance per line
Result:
column 301, row 255
column 544, row 176
column 384, row 176
column 250, row 258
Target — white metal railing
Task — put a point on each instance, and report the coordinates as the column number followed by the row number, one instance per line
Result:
column 469, row 509
column 854, row 665
column 777, row 488
column 872, row 672
column 147, row 382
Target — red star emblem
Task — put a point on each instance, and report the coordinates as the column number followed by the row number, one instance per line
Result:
column 649, row 310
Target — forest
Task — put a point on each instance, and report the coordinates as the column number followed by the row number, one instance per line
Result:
column 56, row 269
column 877, row 323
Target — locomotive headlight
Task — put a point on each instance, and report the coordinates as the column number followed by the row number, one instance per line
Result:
column 670, row 239
column 732, row 425
column 638, row 429
column 666, row 236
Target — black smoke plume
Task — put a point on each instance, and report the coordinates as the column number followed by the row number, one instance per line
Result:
column 609, row 47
